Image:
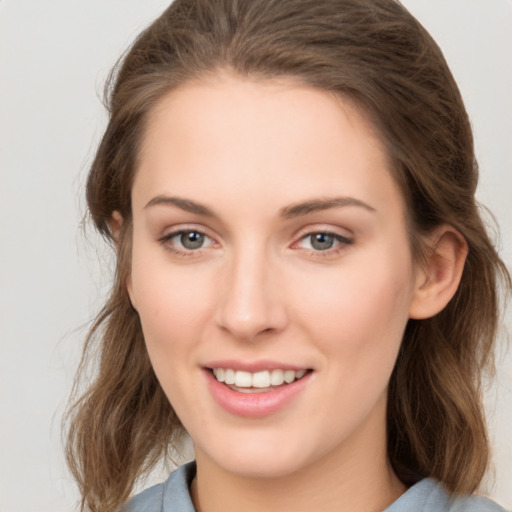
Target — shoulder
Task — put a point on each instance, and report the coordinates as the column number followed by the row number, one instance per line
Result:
column 428, row 495
column 173, row 494
column 149, row 500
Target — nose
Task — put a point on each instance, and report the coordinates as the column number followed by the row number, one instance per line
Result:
column 251, row 304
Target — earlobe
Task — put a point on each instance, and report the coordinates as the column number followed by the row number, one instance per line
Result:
column 439, row 278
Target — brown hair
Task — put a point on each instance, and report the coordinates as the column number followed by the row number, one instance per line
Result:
column 376, row 53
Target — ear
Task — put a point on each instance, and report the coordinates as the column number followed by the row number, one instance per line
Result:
column 439, row 277
column 116, row 224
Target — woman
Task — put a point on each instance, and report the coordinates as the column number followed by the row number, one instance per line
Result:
column 304, row 284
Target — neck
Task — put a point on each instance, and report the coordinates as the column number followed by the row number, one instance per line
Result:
column 356, row 476
column 340, row 492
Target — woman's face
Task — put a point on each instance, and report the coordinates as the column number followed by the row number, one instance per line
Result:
column 270, row 245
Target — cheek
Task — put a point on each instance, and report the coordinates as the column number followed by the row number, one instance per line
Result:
column 357, row 321
column 362, row 309
column 170, row 302
column 170, row 310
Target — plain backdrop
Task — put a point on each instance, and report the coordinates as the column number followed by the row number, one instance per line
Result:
column 54, row 58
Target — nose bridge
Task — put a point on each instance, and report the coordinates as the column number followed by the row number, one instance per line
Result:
column 250, row 303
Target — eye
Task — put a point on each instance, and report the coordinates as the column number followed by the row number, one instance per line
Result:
column 322, row 241
column 184, row 241
column 190, row 239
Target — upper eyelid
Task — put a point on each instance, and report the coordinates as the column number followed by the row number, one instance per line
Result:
column 172, row 234
column 341, row 238
column 326, row 232
column 171, row 231
column 323, row 228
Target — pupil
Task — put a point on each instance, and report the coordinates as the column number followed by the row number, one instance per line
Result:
column 192, row 240
column 322, row 241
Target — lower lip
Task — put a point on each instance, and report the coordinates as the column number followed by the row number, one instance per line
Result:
column 255, row 405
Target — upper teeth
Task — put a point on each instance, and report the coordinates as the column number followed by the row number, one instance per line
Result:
column 262, row 379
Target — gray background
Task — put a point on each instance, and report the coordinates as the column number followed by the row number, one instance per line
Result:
column 54, row 57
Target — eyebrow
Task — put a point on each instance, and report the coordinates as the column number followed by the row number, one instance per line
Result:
column 184, row 204
column 317, row 205
column 292, row 211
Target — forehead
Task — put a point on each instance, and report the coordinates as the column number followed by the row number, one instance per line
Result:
column 223, row 101
column 257, row 137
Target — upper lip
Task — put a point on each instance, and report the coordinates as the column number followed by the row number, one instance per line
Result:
column 253, row 366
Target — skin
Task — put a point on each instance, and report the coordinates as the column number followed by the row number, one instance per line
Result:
column 257, row 289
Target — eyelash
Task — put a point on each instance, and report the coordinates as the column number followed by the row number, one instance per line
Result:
column 166, row 242
column 341, row 243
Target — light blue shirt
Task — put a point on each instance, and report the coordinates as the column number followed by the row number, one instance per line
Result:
column 427, row 495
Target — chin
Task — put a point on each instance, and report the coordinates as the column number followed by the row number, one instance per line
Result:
column 265, row 458
column 261, row 468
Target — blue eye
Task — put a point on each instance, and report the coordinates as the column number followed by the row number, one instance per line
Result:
column 322, row 241
column 191, row 239
column 186, row 241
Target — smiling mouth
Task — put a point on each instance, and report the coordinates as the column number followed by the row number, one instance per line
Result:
column 257, row 382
